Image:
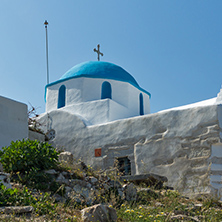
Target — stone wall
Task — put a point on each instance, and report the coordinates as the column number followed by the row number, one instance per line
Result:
column 176, row 144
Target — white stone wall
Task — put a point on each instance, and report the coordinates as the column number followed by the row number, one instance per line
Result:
column 86, row 90
column 13, row 121
column 176, row 143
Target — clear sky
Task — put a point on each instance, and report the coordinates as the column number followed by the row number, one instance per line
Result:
column 173, row 48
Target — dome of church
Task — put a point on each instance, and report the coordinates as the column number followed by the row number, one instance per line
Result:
column 98, row 69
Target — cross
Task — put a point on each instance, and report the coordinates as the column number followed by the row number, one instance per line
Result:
column 98, row 52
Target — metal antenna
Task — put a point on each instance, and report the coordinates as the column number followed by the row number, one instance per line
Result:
column 47, row 59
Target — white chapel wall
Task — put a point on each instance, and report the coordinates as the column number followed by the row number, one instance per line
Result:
column 176, row 144
column 13, row 121
column 80, row 92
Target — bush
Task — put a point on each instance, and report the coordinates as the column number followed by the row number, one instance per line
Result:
column 27, row 155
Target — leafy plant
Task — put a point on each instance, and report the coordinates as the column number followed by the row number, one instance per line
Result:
column 28, row 155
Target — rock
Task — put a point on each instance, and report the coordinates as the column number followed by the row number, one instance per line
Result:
column 149, row 191
column 66, row 157
column 183, row 218
column 59, row 198
column 120, row 192
column 1, row 168
column 51, row 172
column 68, row 190
column 104, row 178
column 198, row 206
column 158, row 204
column 4, row 179
column 65, row 173
column 74, row 182
column 149, row 179
column 81, row 166
column 16, row 210
column 99, row 213
column 130, row 192
column 93, row 180
column 114, row 184
column 60, row 178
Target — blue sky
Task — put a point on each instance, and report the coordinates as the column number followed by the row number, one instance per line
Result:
column 172, row 48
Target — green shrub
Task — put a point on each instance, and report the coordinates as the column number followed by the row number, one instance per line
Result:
column 27, row 155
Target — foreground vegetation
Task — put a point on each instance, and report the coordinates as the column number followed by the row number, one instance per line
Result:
column 26, row 162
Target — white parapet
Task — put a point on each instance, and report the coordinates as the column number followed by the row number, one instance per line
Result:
column 13, row 121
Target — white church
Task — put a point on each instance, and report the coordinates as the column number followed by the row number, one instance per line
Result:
column 98, row 111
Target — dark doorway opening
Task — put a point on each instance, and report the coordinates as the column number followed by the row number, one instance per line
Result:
column 124, row 165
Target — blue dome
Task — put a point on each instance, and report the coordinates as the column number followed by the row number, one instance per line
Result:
column 97, row 69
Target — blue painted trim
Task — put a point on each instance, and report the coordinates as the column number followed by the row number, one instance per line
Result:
column 62, row 97
column 94, row 77
column 141, row 104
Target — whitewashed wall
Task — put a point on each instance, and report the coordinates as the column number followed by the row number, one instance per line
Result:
column 82, row 91
column 176, row 143
column 13, row 121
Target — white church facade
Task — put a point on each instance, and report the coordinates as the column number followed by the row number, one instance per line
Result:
column 98, row 112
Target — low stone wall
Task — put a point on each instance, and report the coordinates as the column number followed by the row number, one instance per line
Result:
column 36, row 136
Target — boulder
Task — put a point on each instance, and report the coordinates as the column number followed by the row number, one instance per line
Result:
column 149, row 179
column 130, row 192
column 92, row 180
column 66, row 157
column 16, row 210
column 51, row 172
column 99, row 213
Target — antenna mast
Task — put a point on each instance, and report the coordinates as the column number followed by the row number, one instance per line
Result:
column 47, row 59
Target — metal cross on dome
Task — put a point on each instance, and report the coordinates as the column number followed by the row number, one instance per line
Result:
column 98, row 52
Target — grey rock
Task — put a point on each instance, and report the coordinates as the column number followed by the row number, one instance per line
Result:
column 99, row 213
column 149, row 179
column 66, row 157
column 182, row 217
column 51, row 172
column 65, row 173
column 93, row 180
column 74, row 182
column 16, row 210
column 130, row 192
column 59, row 198
column 114, row 183
column 60, row 178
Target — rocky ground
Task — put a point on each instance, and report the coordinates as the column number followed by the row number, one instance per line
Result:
column 86, row 195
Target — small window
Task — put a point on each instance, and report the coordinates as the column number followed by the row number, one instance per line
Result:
column 141, row 104
column 62, row 97
column 124, row 165
column 106, row 91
